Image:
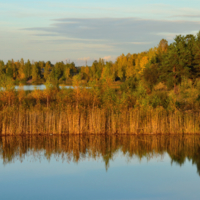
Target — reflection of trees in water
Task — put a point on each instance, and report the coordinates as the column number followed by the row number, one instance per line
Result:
column 79, row 147
column 196, row 159
column 185, row 147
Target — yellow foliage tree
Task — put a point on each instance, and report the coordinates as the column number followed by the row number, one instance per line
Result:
column 121, row 66
column 21, row 70
column 37, row 95
column 143, row 63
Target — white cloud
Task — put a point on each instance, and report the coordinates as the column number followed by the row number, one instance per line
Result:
column 109, row 58
column 83, row 59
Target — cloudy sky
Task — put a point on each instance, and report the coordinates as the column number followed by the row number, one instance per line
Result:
column 87, row 30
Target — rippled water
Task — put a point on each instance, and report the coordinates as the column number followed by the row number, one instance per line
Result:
column 100, row 167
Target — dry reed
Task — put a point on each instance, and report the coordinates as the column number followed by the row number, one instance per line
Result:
column 94, row 120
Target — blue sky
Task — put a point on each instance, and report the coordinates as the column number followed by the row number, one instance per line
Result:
column 87, row 30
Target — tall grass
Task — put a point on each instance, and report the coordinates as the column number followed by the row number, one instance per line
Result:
column 75, row 120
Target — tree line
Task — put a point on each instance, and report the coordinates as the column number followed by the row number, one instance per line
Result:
column 169, row 64
column 165, row 63
column 21, row 71
column 166, row 76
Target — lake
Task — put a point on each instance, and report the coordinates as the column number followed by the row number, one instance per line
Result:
column 98, row 167
column 39, row 87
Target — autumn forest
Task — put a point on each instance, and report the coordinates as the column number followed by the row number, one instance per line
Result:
column 152, row 92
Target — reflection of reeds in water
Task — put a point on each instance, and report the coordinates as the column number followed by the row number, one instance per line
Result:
column 74, row 120
column 79, row 147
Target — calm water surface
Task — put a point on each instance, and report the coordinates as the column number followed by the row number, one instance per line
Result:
column 99, row 167
column 39, row 87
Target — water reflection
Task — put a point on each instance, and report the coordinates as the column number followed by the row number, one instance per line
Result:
column 78, row 147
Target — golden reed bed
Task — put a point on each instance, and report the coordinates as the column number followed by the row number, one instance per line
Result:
column 73, row 120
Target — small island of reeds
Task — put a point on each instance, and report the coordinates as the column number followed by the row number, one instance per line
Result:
column 152, row 92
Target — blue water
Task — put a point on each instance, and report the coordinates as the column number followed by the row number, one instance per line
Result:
column 39, row 178
column 99, row 168
column 39, row 87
